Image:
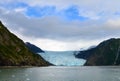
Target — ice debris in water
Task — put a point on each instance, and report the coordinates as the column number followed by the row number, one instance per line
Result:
column 30, row 71
column 26, row 74
column 27, row 79
column 13, row 76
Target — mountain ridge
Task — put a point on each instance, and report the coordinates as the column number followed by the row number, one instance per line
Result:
column 34, row 48
column 106, row 53
column 13, row 51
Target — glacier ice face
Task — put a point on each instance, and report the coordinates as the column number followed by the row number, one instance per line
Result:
column 65, row 58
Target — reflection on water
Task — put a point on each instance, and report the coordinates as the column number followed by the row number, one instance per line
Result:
column 61, row 74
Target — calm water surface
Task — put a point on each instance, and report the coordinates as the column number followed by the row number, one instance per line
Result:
column 60, row 74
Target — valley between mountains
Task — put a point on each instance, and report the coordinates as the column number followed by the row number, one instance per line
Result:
column 14, row 52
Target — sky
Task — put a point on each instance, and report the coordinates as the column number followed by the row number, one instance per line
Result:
column 61, row 25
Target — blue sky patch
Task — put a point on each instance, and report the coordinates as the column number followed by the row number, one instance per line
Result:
column 72, row 13
column 69, row 13
column 14, row 5
column 40, row 11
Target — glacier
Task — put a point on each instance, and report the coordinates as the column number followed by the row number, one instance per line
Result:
column 62, row 58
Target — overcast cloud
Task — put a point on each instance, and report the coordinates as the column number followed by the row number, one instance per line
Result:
column 62, row 25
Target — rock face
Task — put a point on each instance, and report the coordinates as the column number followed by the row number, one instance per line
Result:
column 13, row 51
column 34, row 48
column 106, row 53
column 85, row 54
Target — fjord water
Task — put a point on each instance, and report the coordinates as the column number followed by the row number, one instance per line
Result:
column 64, row 58
column 56, row 73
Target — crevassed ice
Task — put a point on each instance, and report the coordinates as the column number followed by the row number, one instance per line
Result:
column 62, row 58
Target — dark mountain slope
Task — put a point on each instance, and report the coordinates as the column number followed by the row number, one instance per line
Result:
column 13, row 51
column 34, row 48
column 85, row 54
column 106, row 53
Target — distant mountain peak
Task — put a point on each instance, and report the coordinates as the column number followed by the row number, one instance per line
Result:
column 33, row 48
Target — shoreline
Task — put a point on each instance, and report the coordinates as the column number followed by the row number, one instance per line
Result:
column 17, row 67
column 49, row 66
column 20, row 66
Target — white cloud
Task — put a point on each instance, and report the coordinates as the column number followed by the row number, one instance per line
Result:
column 53, row 33
column 93, row 9
column 113, row 23
column 90, row 14
column 20, row 10
column 56, row 45
column 89, row 8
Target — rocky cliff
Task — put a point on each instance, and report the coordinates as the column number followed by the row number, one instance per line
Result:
column 106, row 53
column 13, row 51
